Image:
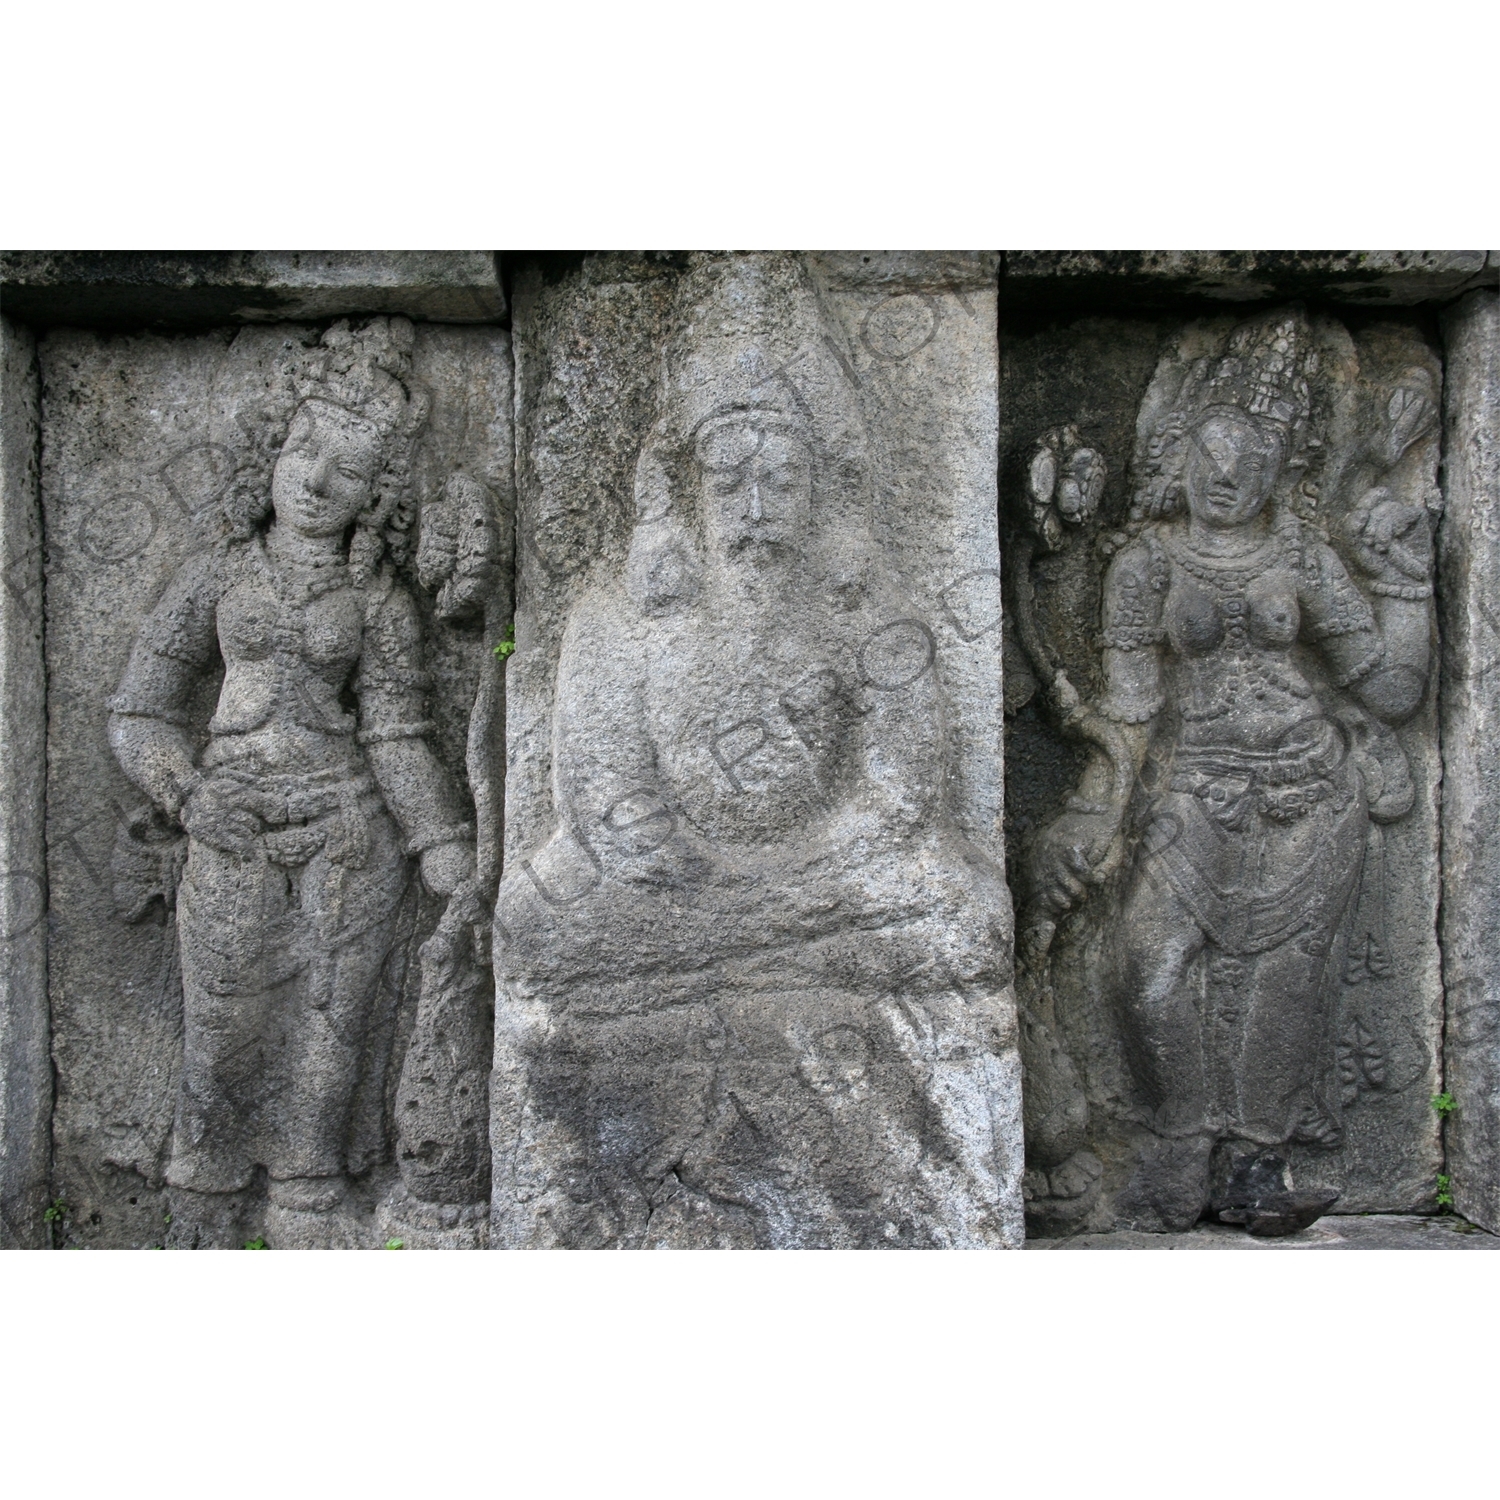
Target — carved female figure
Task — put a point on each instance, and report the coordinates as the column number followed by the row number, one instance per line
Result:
column 1265, row 781
column 313, row 791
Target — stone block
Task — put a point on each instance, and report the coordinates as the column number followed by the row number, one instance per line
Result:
column 182, row 289
column 25, row 1067
column 1470, row 618
column 1223, row 763
column 752, row 941
column 1037, row 281
column 277, row 561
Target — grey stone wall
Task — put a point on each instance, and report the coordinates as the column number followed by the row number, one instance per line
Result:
column 655, row 759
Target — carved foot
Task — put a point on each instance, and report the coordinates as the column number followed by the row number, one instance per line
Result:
column 1058, row 1202
column 315, row 1213
column 1170, row 1187
column 205, row 1221
column 310, row 1194
column 431, row 1226
column 1282, row 1213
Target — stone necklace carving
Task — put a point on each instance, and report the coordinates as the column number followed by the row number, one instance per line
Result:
column 1246, row 665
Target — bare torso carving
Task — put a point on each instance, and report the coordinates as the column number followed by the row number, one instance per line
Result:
column 314, row 790
column 1244, row 747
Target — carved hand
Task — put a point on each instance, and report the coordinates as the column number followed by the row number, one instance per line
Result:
column 1392, row 541
column 1065, row 856
column 216, row 815
column 447, row 866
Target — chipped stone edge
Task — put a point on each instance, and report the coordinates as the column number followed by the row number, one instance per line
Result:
column 181, row 290
column 1149, row 279
column 25, row 1042
column 1469, row 585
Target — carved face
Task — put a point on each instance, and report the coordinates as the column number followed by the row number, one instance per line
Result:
column 325, row 475
column 1232, row 468
column 757, row 486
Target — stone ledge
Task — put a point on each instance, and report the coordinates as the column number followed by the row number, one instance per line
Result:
column 1333, row 1232
column 189, row 289
column 1151, row 279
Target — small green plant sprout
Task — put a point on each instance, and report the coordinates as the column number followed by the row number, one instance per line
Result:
column 395, row 1244
column 507, row 642
column 1444, row 1104
column 1444, row 1193
column 258, row 1243
column 54, row 1216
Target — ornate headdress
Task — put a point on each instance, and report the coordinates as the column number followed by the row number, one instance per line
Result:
column 1262, row 375
column 365, row 371
column 752, row 353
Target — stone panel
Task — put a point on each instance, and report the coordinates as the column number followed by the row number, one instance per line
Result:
column 25, row 1070
column 753, row 936
column 276, row 564
column 1223, row 764
column 1470, row 576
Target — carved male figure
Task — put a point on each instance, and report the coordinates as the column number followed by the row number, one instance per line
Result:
column 752, row 982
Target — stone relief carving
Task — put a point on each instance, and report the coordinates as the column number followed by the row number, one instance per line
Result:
column 752, row 977
column 752, row 946
column 1266, row 624
column 276, row 712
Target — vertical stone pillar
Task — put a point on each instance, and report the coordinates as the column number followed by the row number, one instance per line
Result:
column 25, row 1066
column 753, row 937
column 1470, row 601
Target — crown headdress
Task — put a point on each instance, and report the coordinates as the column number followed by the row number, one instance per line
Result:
column 365, row 370
column 1263, row 372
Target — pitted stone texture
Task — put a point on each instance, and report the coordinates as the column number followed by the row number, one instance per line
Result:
column 25, row 1068
column 1033, row 280
column 1332, row 1232
column 1233, row 741
column 180, row 289
column 1470, row 562
column 300, row 901
column 752, row 944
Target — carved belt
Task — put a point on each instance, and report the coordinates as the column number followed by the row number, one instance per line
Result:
column 306, row 813
column 1281, row 784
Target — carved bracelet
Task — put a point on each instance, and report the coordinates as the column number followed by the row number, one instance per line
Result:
column 1402, row 590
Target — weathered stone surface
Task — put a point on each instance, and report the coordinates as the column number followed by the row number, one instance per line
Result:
column 1223, row 765
column 1470, row 596
column 1336, row 1232
column 752, row 939
column 25, row 1068
column 1036, row 280
column 268, row 559
column 177, row 289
